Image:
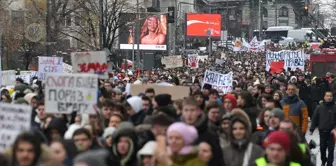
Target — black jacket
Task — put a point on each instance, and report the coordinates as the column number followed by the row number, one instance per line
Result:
column 324, row 117
column 252, row 112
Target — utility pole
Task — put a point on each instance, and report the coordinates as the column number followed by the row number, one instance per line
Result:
column 48, row 29
column 260, row 18
column 138, row 35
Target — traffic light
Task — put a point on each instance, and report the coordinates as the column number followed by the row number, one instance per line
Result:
column 306, row 10
column 171, row 14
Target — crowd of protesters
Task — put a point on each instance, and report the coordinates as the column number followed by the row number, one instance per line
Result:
column 263, row 121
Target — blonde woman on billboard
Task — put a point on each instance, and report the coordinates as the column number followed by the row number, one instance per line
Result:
column 153, row 31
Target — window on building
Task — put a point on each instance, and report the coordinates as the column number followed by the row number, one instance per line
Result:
column 283, row 22
column 265, row 12
column 78, row 19
column 67, row 21
column 18, row 17
column 283, row 12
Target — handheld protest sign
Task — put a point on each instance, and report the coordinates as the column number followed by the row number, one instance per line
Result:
column 67, row 93
column 90, row 62
column 14, row 119
column 222, row 82
column 49, row 65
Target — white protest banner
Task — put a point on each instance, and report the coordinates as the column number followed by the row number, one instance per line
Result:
column 49, row 65
column 203, row 57
column 8, row 77
column 66, row 93
column 26, row 75
column 14, row 119
column 172, row 61
column 221, row 82
column 193, row 61
column 67, row 68
column 219, row 61
column 292, row 59
column 90, row 62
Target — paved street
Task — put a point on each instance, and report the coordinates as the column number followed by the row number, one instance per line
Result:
column 316, row 151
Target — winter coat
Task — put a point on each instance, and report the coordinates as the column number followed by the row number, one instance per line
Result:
column 144, row 135
column 204, row 135
column 296, row 110
column 125, row 129
column 138, row 118
column 186, row 160
column 316, row 93
column 324, row 117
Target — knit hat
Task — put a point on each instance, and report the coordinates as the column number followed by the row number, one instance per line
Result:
column 28, row 97
column 232, row 98
column 278, row 137
column 108, row 132
column 93, row 158
column 188, row 132
column 278, row 113
column 136, row 103
column 163, row 99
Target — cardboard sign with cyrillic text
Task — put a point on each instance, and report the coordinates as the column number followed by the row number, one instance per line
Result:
column 90, row 62
column 66, row 93
column 222, row 82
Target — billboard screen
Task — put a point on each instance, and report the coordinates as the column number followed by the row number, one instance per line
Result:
column 199, row 24
column 153, row 32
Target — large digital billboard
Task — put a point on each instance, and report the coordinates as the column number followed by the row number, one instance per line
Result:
column 153, row 32
column 199, row 24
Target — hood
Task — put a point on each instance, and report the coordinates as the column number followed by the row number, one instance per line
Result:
column 239, row 115
column 136, row 103
column 28, row 97
column 147, row 150
column 125, row 129
column 57, row 124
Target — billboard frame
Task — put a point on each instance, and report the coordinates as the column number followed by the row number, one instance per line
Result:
column 202, row 37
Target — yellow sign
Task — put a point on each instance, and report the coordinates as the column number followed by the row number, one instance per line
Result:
column 34, row 32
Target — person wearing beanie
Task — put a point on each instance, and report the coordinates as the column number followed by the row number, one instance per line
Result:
column 225, row 130
column 278, row 146
column 229, row 102
column 107, row 136
column 134, row 110
column 240, row 151
column 180, row 151
column 162, row 100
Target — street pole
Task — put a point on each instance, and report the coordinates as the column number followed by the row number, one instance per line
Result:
column 209, row 31
column 133, row 50
column 48, row 29
column 260, row 19
column 138, row 35
column 227, row 22
column 276, row 12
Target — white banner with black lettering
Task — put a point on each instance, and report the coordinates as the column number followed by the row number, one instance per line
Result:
column 221, row 82
column 14, row 119
column 67, row 93
column 292, row 59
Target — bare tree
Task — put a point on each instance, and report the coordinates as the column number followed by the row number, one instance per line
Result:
column 87, row 31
